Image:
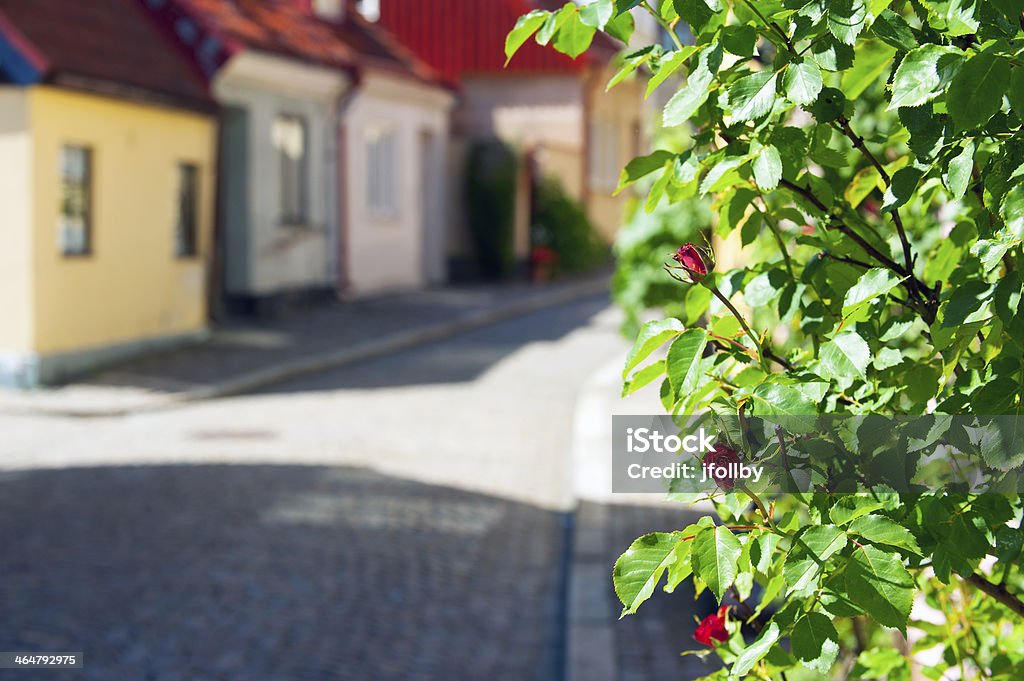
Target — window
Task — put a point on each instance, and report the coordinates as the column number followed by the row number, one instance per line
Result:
column 290, row 139
column 370, row 9
column 604, row 154
column 187, row 236
column 381, row 168
column 75, row 201
column 328, row 9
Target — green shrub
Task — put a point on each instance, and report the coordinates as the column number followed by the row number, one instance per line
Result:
column 491, row 173
column 561, row 224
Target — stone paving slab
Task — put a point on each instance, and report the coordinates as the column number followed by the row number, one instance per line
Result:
column 276, row 573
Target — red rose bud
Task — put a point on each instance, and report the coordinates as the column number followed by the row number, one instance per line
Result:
column 689, row 259
column 716, row 463
column 712, row 628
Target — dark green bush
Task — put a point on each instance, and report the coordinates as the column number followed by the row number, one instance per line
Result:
column 561, row 224
column 491, row 172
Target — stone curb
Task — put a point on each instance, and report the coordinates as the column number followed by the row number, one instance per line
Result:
column 335, row 359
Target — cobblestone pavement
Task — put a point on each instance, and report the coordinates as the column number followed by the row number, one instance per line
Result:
column 260, row 573
column 403, row 519
column 648, row 643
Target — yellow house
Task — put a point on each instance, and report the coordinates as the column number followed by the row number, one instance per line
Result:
column 107, row 167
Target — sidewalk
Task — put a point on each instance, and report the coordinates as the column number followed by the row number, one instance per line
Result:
column 645, row 645
column 245, row 356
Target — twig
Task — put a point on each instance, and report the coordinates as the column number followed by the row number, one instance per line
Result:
column 998, row 592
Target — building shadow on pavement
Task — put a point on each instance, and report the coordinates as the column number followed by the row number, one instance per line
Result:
column 459, row 359
column 276, row 573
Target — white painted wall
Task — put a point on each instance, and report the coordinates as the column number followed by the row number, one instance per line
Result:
column 407, row 249
column 16, row 198
column 287, row 257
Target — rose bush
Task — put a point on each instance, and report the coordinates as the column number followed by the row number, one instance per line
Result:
column 868, row 156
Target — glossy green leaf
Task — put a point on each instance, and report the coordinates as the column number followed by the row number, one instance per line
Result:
column 683, row 362
column 715, row 553
column 881, row 530
column 845, row 356
column 816, row 642
column 653, row 335
column 880, row 584
column 767, row 168
column 976, row 92
column 752, row 96
column 638, row 570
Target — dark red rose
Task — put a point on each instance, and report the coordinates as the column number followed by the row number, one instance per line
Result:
column 690, row 259
column 723, row 455
column 712, row 628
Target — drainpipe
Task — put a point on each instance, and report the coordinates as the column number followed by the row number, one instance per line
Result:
column 341, row 246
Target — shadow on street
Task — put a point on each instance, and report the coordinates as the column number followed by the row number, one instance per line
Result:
column 260, row 573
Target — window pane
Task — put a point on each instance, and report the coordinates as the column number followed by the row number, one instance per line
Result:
column 381, row 170
column 188, row 210
column 289, row 139
column 75, row 201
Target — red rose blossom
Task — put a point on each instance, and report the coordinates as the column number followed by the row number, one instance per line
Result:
column 690, row 259
column 712, row 628
column 723, row 455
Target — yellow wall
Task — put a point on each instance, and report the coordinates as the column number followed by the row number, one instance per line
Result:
column 623, row 104
column 15, row 220
column 133, row 286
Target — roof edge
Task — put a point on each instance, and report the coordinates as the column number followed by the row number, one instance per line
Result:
column 20, row 60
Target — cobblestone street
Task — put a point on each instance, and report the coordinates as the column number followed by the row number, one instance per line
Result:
column 406, row 518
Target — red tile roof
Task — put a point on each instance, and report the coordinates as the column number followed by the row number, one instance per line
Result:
column 107, row 45
column 460, row 37
column 291, row 28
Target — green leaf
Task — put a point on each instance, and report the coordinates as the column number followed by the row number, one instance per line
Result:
column 525, row 27
column 872, row 284
column 767, row 168
column 652, row 336
column 670, row 63
column 877, row 582
column 722, row 175
column 643, row 377
column 756, row 650
column 821, row 541
column 902, row 189
column 846, row 19
column 1016, row 91
column 802, row 82
column 638, row 570
column 642, row 166
column 779, row 399
column 872, row 59
column 752, row 96
column 554, row 22
column 739, row 40
column 683, row 362
column 621, row 27
column 959, row 170
column 863, row 183
column 894, row 30
column 574, row 37
column 816, row 642
column 918, row 79
column 853, row 506
column 845, row 356
column 691, row 96
column 976, row 92
column 597, row 13
column 715, row 553
column 878, row 529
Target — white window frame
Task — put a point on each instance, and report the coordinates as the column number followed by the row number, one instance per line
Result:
column 382, row 190
column 75, row 224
